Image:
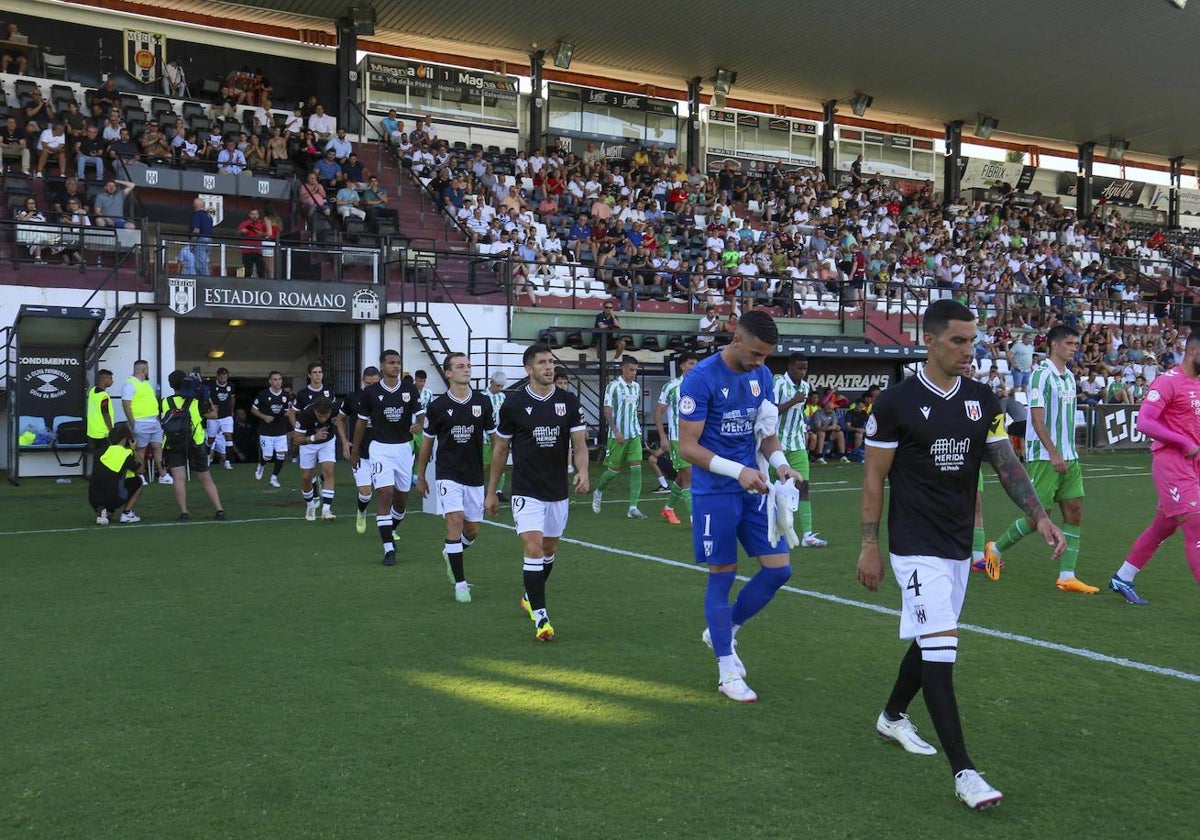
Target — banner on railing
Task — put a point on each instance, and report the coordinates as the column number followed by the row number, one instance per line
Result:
column 284, row 300
column 1158, row 197
column 1108, row 190
column 397, row 75
column 145, row 55
column 1115, row 427
column 985, row 173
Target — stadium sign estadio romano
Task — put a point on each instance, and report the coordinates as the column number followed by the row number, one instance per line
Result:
column 218, row 297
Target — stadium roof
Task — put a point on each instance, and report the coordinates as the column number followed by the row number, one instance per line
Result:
column 1069, row 69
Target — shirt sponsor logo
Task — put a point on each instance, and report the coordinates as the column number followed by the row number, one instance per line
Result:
column 738, row 423
column 974, row 412
column 462, row 434
column 546, row 437
column 949, row 454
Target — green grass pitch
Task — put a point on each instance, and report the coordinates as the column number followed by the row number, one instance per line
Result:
column 268, row 678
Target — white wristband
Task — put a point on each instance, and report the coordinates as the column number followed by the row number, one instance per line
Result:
column 723, row 466
column 778, row 459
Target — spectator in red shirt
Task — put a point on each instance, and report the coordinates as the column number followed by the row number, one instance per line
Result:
column 252, row 231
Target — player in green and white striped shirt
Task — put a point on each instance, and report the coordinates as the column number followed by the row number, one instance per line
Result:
column 791, row 392
column 1051, row 457
column 495, row 393
column 622, row 398
column 668, row 435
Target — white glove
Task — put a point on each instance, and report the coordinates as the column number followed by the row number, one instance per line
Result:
column 766, row 423
column 784, row 501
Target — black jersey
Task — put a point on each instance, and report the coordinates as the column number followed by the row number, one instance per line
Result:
column 391, row 412
column 350, row 408
column 460, row 429
column 306, row 396
column 540, row 429
column 275, row 406
column 222, row 397
column 939, row 440
column 308, row 423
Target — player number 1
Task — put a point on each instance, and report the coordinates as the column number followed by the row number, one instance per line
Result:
column 707, row 517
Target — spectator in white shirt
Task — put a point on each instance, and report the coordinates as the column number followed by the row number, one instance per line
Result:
column 53, row 141
column 340, row 145
column 321, row 124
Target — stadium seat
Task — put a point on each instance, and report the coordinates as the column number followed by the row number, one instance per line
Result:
column 550, row 339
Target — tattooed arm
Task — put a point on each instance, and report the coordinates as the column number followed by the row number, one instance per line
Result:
column 1019, row 488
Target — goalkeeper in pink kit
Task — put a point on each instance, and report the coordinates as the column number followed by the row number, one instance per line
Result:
column 1170, row 415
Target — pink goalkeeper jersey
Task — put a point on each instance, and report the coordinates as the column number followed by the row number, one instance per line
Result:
column 1172, row 406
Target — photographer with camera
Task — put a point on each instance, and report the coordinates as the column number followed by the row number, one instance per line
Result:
column 114, row 484
column 182, row 416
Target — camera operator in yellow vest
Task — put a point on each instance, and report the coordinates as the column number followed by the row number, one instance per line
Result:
column 182, row 422
column 115, row 483
column 141, row 410
column 99, row 413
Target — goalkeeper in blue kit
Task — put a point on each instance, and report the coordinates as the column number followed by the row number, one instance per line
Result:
column 727, row 430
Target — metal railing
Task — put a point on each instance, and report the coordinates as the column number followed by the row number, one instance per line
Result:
column 184, row 255
column 77, row 246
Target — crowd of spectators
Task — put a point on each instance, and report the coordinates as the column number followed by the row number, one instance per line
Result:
column 650, row 228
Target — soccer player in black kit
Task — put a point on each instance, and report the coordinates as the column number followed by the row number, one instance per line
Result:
column 220, row 428
column 928, row 437
column 542, row 423
column 459, row 420
column 316, row 433
column 270, row 406
column 391, row 406
column 313, row 390
column 364, row 469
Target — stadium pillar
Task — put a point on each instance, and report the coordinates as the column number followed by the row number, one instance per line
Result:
column 536, row 102
column 1083, row 180
column 951, row 166
column 829, row 147
column 347, row 74
column 693, row 126
column 1176, row 183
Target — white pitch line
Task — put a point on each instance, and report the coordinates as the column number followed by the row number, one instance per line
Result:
column 862, row 605
column 136, row 526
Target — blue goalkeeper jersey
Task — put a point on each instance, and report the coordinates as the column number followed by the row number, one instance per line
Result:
column 727, row 402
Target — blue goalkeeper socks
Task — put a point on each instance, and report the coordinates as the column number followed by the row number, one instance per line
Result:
column 758, row 592
column 718, row 612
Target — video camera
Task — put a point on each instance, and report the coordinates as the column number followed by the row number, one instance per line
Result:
column 193, row 386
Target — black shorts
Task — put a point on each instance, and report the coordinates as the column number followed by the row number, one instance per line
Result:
column 97, row 446
column 196, row 457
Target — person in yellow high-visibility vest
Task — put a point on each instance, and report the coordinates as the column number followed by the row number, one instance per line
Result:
column 190, row 451
column 141, row 410
column 99, row 413
column 114, row 483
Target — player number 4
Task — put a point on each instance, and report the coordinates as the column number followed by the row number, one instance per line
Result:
column 914, row 585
